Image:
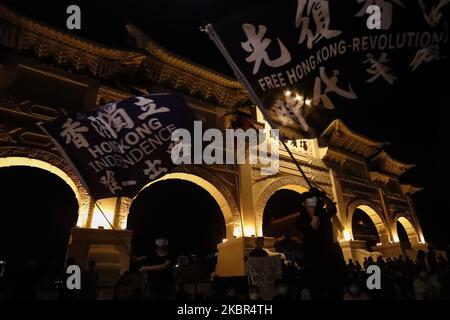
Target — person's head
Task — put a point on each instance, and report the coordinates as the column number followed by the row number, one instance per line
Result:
column 421, row 255
column 350, row 261
column 309, row 203
column 161, row 244
column 259, row 243
column 370, row 260
column 254, row 293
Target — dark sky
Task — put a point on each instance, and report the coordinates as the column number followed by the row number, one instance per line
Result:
column 411, row 114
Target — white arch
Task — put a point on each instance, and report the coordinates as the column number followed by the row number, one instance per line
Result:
column 295, row 184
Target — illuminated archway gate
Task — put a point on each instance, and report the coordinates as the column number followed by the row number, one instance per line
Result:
column 347, row 165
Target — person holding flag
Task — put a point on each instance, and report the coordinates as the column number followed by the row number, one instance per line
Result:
column 324, row 262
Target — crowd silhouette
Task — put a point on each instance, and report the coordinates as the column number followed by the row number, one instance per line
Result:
column 426, row 277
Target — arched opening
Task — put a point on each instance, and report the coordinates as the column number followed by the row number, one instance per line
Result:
column 38, row 211
column 368, row 225
column 364, row 229
column 183, row 212
column 23, row 160
column 281, row 213
column 217, row 191
column 406, row 231
column 401, row 232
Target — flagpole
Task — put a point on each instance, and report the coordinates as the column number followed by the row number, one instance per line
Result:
column 240, row 76
column 71, row 164
column 112, row 227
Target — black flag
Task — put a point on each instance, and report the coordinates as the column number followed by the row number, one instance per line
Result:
column 304, row 61
column 120, row 147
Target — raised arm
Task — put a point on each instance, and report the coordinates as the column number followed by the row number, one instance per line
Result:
column 156, row 267
column 329, row 204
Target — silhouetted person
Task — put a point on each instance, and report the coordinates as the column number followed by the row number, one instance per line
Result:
column 89, row 282
column 422, row 285
column 421, row 260
column 324, row 262
column 350, row 265
column 404, row 284
column 132, row 283
column 259, row 248
column 409, row 267
column 365, row 263
column 380, row 262
column 431, row 260
column 158, row 266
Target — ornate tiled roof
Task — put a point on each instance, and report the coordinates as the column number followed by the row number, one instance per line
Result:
column 410, row 189
column 338, row 135
column 165, row 67
column 390, row 165
column 26, row 35
column 71, row 52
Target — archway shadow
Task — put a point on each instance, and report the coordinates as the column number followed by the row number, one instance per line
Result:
column 183, row 212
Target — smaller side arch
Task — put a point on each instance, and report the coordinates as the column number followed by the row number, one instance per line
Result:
column 410, row 229
column 288, row 183
column 374, row 214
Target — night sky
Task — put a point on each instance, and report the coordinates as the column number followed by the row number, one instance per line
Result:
column 411, row 114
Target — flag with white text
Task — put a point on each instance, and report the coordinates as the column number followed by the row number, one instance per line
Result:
column 121, row 146
column 306, row 60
